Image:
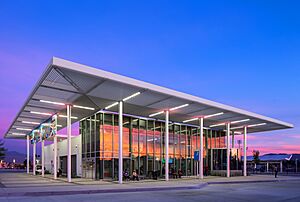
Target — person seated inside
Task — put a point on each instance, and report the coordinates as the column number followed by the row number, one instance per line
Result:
column 179, row 173
column 59, row 172
column 135, row 176
column 126, row 175
column 173, row 173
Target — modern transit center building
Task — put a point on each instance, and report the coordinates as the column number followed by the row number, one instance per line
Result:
column 126, row 124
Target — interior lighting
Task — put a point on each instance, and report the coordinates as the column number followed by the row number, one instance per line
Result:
column 83, row 107
column 51, row 102
column 30, row 122
column 220, row 124
column 213, row 115
column 239, row 121
column 112, row 105
column 18, row 134
column 24, row 129
column 179, row 107
column 255, row 125
column 131, row 96
column 157, row 113
column 64, row 116
column 189, row 120
column 41, row 113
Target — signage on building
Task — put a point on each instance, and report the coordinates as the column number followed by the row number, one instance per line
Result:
column 196, row 155
column 45, row 130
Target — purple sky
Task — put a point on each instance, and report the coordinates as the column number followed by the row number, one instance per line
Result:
column 245, row 54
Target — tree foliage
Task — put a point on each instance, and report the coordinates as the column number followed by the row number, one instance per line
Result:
column 256, row 159
column 2, row 149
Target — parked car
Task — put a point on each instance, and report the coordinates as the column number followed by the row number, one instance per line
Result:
column 38, row 170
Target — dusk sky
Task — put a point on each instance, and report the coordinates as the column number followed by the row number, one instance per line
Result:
column 241, row 53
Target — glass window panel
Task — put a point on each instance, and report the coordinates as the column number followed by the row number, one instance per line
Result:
column 142, row 138
column 107, row 136
column 126, row 144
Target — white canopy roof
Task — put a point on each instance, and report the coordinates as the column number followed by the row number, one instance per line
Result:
column 76, row 84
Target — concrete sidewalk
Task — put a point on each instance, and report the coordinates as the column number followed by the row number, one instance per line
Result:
column 248, row 179
column 22, row 184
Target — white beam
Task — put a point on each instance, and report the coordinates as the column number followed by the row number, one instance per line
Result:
column 69, row 164
column 27, row 143
column 33, row 158
column 201, row 148
column 228, row 148
column 232, row 140
column 43, row 158
column 245, row 151
column 167, row 146
column 120, row 142
column 55, row 158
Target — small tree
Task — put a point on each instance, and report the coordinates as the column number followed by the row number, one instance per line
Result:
column 256, row 159
column 2, row 149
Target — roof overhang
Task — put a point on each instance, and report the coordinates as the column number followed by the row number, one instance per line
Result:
column 76, row 84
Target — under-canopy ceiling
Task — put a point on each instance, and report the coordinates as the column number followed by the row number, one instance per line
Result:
column 76, row 84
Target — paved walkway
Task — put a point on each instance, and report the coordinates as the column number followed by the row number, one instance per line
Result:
column 22, row 184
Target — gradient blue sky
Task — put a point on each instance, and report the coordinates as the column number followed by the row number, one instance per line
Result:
column 241, row 53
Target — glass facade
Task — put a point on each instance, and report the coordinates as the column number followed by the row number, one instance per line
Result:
column 144, row 147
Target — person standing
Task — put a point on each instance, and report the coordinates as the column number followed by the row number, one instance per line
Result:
column 276, row 171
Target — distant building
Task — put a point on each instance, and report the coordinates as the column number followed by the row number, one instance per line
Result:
column 284, row 162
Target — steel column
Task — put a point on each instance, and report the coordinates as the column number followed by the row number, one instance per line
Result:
column 211, row 153
column 69, row 168
column 43, row 158
column 55, row 157
column 167, row 146
column 245, row 151
column 120, row 142
column 27, row 167
column 228, row 148
column 201, row 148
column 232, row 140
column 33, row 158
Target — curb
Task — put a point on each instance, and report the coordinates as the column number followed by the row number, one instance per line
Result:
column 248, row 182
column 57, row 193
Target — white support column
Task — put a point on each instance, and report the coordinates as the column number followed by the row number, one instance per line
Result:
column 211, row 154
column 33, row 158
column 228, row 148
column 55, row 157
column 43, row 158
column 267, row 167
column 27, row 167
column 232, row 140
column 281, row 167
column 120, row 142
column 245, row 151
column 201, row 148
column 167, row 146
column 211, row 160
column 69, row 168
